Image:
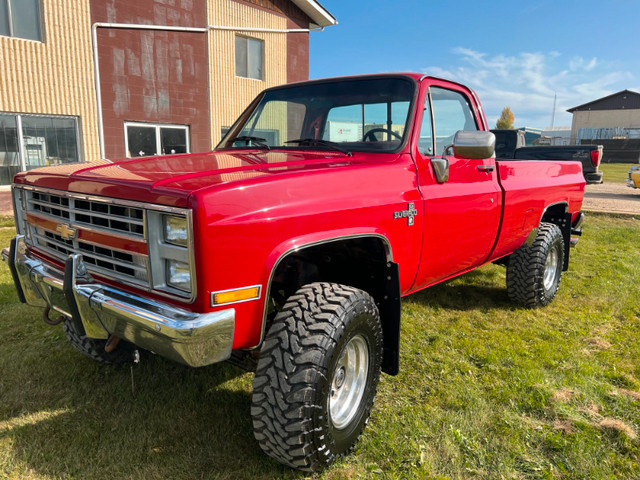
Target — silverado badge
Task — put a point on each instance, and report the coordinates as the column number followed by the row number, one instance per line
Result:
column 409, row 213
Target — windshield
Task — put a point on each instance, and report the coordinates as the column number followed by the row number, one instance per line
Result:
column 347, row 115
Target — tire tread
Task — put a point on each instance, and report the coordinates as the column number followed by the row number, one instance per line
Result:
column 94, row 348
column 526, row 268
column 290, row 368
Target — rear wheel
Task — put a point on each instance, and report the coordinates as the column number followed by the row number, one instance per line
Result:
column 317, row 376
column 534, row 272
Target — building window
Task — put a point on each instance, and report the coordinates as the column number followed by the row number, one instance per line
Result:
column 249, row 57
column 20, row 18
column 145, row 139
column 31, row 141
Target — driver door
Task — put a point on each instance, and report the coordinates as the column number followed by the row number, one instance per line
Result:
column 462, row 214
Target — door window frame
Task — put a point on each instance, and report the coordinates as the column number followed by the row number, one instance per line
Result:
column 434, row 122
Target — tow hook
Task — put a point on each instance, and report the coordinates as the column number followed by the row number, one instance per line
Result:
column 111, row 344
column 49, row 321
column 574, row 239
column 576, row 229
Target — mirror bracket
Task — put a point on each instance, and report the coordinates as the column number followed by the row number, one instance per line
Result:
column 441, row 168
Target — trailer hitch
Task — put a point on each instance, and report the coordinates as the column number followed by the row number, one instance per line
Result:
column 48, row 320
column 112, row 343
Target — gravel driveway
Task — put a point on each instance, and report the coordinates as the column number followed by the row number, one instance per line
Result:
column 612, row 198
column 6, row 208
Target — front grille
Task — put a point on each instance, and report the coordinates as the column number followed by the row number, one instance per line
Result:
column 94, row 213
column 107, row 218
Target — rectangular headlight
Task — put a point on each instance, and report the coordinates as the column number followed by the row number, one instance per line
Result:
column 178, row 275
column 171, row 257
column 175, row 230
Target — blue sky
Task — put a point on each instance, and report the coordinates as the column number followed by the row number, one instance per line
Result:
column 516, row 54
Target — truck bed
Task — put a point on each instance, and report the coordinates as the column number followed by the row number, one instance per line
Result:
column 589, row 155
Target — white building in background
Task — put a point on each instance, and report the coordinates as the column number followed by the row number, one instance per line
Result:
column 555, row 136
column 613, row 122
column 614, row 117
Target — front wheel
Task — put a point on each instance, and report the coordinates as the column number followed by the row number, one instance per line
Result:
column 317, row 376
column 93, row 348
column 534, row 272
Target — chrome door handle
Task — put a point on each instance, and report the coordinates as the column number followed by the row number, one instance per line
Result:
column 486, row 168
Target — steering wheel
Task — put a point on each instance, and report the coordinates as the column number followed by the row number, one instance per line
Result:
column 371, row 133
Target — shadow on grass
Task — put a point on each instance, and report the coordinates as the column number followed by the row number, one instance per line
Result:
column 473, row 290
column 68, row 416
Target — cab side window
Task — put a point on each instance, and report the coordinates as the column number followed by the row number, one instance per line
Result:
column 451, row 112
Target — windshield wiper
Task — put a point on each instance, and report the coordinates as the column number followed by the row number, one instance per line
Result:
column 259, row 142
column 324, row 143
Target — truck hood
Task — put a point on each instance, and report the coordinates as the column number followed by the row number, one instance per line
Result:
column 169, row 180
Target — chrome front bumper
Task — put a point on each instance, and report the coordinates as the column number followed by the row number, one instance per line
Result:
column 183, row 336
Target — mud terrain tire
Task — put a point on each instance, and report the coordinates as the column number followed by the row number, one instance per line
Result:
column 317, row 376
column 534, row 272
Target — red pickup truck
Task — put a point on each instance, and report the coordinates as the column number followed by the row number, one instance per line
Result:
column 288, row 248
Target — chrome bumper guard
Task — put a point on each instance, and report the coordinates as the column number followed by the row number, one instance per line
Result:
column 183, row 336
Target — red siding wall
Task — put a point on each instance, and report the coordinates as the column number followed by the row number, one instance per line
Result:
column 297, row 52
column 152, row 76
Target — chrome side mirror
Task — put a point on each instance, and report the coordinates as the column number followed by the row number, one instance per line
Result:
column 474, row 145
column 469, row 144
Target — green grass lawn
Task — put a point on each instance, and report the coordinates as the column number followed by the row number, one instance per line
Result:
column 615, row 172
column 486, row 390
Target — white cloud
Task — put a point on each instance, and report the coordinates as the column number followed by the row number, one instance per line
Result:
column 527, row 83
column 578, row 64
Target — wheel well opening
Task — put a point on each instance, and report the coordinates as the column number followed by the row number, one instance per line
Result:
column 559, row 215
column 359, row 262
column 555, row 214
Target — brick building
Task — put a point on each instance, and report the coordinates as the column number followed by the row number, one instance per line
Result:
column 120, row 79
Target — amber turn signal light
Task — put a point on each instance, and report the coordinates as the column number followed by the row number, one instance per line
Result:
column 235, row 296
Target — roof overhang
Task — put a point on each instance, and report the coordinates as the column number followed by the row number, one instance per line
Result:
column 316, row 12
column 622, row 92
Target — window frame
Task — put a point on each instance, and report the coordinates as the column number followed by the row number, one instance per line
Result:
column 158, row 127
column 248, row 39
column 255, row 108
column 38, row 18
column 427, row 113
column 22, row 153
column 432, row 111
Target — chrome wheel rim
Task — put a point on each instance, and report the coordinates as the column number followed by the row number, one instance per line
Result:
column 349, row 382
column 550, row 269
